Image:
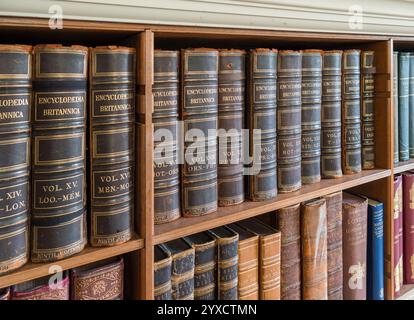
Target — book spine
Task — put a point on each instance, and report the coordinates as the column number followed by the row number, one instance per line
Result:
column 162, row 279
column 351, row 112
column 15, row 102
column 248, row 270
column 227, row 267
column 270, row 254
column 165, row 119
column 261, row 115
column 314, row 250
column 289, row 73
column 403, row 105
column 182, row 275
column 205, row 271
column 112, row 140
column 288, row 222
column 60, row 291
column 231, row 104
column 397, row 210
column 311, row 116
column 5, row 294
column 199, row 113
column 331, row 114
column 395, row 104
column 58, row 152
column 367, row 109
column 334, row 229
column 411, row 107
column 408, row 227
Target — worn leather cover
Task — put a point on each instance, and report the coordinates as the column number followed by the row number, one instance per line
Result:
column 367, row 109
column 334, row 234
column 15, row 103
column 408, row 226
column 411, row 107
column 354, row 237
column 5, row 294
column 397, row 240
column 331, row 163
column 288, row 222
column 395, row 104
column 351, row 112
column 199, row 113
column 58, row 152
column 165, row 117
column 289, row 73
column 403, row 105
column 314, row 250
column 205, row 250
column 231, row 107
column 261, row 115
column 311, row 115
column 162, row 273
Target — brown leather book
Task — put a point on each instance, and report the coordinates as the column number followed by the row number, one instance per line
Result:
column 162, row 273
column 335, row 264
column 231, row 104
column 289, row 73
column 199, row 112
column 103, row 280
column 314, row 250
column 5, row 294
column 354, row 237
column 288, row 222
column 165, row 117
column 269, row 258
column 111, row 152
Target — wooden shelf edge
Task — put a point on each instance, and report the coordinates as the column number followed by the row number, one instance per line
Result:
column 225, row 215
column 404, row 166
column 407, row 292
column 32, row 271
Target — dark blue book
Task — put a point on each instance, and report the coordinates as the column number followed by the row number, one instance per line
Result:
column 403, row 104
column 375, row 256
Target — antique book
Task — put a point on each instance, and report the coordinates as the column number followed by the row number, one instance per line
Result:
column 375, row 251
column 269, row 258
column 58, row 154
column 397, row 234
column 162, row 273
column 45, row 288
column 103, row 280
column 408, row 226
column 16, row 102
column 199, row 112
column 5, row 294
column 227, row 262
column 354, row 237
column 111, row 151
column 331, row 114
column 367, row 109
column 289, row 73
column 288, row 222
column 231, row 106
column 351, row 112
column 261, row 115
column 165, row 119
column 182, row 266
column 411, row 107
column 311, row 115
column 314, row 250
column 205, row 255
column 248, row 269
column 334, row 246
column 403, row 105
column 395, row 104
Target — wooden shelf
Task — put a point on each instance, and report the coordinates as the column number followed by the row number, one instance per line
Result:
column 403, row 166
column 225, row 215
column 407, row 292
column 32, row 271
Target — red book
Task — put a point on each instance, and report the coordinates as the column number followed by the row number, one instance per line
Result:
column 408, row 227
column 397, row 261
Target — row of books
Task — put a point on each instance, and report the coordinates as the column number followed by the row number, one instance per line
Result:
column 314, row 110
column 327, row 248
column 103, row 280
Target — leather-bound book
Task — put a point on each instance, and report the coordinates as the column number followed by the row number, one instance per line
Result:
column 261, row 115
column 314, row 250
column 103, row 280
column 269, row 258
column 331, row 163
column 111, row 151
column 288, row 222
column 397, row 240
column 411, row 107
column 334, row 229
column 311, row 115
column 162, row 273
column 44, row 288
column 395, row 104
column 248, row 271
column 227, row 262
column 367, row 109
column 5, row 294
column 199, row 112
column 165, row 117
column 58, row 152
column 182, row 266
column 351, row 112
column 408, row 227
column 205, row 256
column 289, row 73
column 16, row 103
column 403, row 105
column 231, row 105
column 354, row 237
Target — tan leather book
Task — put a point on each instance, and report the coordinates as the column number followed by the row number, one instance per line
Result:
column 314, row 250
